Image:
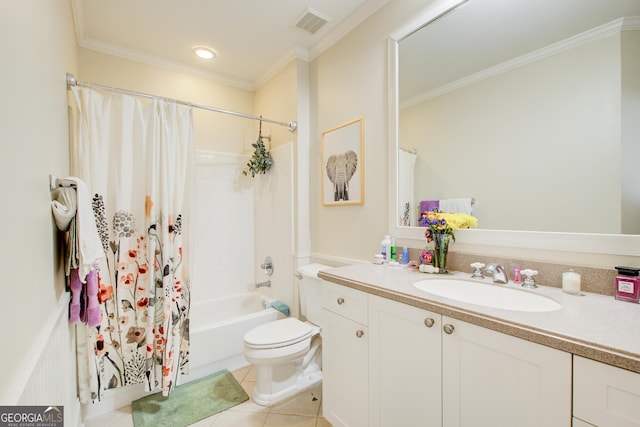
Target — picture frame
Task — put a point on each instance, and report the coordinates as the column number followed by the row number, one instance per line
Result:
column 343, row 164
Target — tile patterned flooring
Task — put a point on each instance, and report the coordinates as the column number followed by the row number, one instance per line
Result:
column 302, row 410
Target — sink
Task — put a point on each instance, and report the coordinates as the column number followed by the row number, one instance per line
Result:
column 487, row 295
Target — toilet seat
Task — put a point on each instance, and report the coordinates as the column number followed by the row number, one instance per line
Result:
column 280, row 333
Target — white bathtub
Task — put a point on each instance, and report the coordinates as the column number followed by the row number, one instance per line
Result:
column 217, row 327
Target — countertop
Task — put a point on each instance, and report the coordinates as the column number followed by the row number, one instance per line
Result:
column 591, row 325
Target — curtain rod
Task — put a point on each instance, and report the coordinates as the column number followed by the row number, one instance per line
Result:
column 71, row 81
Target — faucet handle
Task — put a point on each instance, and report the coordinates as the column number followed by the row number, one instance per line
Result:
column 477, row 270
column 528, row 281
column 490, row 268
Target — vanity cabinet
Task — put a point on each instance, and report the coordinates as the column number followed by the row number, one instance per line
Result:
column 412, row 367
column 405, row 365
column 493, row 379
column 345, row 355
column 604, row 395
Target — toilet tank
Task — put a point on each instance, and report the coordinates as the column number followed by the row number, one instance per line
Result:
column 309, row 289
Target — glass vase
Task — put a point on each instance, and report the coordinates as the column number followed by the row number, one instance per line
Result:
column 441, row 250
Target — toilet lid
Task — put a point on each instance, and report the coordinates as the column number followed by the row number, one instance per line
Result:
column 278, row 334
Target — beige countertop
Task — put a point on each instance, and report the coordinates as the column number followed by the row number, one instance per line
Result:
column 591, row 325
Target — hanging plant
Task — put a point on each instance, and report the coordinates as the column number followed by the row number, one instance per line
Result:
column 261, row 161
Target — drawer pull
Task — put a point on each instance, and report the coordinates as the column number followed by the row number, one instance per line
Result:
column 359, row 333
column 448, row 329
column 340, row 301
column 429, row 322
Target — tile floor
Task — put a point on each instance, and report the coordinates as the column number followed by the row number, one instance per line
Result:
column 302, row 410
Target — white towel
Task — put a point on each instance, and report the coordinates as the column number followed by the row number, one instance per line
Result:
column 457, row 205
column 89, row 243
column 64, row 207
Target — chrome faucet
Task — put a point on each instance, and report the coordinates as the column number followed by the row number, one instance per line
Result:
column 497, row 272
column 263, row 284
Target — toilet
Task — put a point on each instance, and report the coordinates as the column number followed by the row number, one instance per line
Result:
column 287, row 353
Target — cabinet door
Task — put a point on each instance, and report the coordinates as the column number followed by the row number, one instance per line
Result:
column 345, row 389
column 604, row 395
column 405, row 365
column 492, row 379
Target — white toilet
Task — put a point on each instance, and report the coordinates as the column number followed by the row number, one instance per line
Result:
column 287, row 353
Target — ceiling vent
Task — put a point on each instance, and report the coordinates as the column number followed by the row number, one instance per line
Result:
column 311, row 20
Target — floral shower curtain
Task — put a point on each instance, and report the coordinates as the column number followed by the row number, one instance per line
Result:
column 136, row 160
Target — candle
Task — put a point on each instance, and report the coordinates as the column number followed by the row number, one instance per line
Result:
column 571, row 282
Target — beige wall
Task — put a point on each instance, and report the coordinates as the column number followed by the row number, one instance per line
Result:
column 277, row 100
column 38, row 48
column 348, row 81
column 212, row 131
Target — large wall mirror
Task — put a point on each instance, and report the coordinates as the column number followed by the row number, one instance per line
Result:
column 530, row 110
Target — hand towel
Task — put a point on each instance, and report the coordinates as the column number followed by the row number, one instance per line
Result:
column 281, row 307
column 93, row 305
column 89, row 244
column 464, row 205
column 76, row 290
column 429, row 205
column 64, row 207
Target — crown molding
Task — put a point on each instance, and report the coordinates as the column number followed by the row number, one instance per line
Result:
column 343, row 28
column 295, row 53
column 594, row 34
column 631, row 23
column 156, row 61
column 346, row 26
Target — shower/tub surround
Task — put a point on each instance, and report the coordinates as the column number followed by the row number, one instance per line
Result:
column 219, row 327
column 230, row 241
column 223, row 241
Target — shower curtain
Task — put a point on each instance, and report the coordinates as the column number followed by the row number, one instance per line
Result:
column 406, row 183
column 136, row 160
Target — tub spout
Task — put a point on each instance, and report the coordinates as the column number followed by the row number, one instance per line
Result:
column 262, row 284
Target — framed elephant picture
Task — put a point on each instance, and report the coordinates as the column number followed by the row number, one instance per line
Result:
column 343, row 165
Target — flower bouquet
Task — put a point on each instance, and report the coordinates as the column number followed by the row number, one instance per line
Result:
column 440, row 230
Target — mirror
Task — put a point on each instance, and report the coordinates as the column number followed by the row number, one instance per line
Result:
column 529, row 109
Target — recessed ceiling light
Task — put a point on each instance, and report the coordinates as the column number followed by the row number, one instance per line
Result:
column 204, row 52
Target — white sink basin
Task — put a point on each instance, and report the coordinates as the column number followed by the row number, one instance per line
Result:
column 487, row 295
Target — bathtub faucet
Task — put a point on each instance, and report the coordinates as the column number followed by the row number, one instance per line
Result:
column 262, row 284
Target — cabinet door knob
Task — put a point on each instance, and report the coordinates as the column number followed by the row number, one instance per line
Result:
column 359, row 333
column 340, row 301
column 448, row 329
column 428, row 322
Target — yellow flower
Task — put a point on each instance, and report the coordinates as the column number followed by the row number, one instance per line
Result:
column 460, row 220
column 442, row 222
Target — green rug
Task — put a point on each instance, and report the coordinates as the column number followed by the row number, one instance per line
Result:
column 190, row 402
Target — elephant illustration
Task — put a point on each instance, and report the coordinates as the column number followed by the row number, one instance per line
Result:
column 340, row 169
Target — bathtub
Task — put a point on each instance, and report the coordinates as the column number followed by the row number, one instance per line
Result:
column 217, row 327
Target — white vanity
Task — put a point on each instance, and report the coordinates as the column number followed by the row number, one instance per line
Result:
column 397, row 356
